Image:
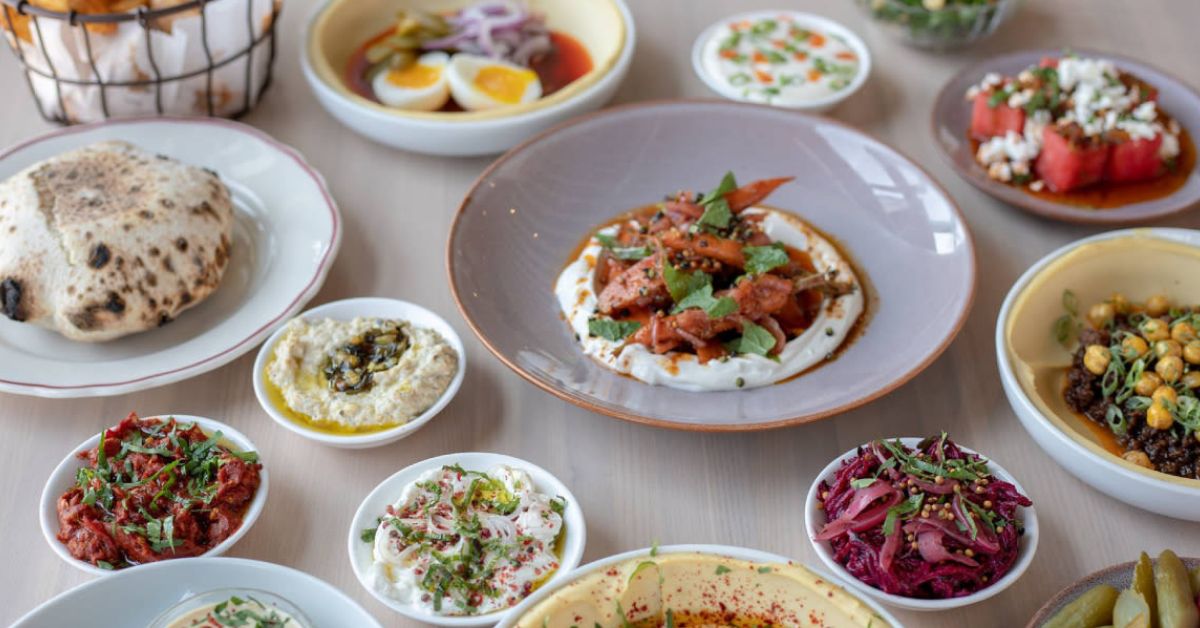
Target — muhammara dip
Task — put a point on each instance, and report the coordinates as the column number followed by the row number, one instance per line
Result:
column 362, row 374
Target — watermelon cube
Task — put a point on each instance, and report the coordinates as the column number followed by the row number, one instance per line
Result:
column 988, row 122
column 1135, row 160
column 1067, row 165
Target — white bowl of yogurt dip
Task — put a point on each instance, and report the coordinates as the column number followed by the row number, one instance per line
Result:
column 465, row 511
column 787, row 59
column 308, row 382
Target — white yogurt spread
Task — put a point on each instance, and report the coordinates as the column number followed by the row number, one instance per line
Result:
column 494, row 527
column 829, row 330
column 772, row 58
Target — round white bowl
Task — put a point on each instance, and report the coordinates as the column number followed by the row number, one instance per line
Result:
column 807, row 20
column 63, row 477
column 462, row 138
column 1028, row 543
column 390, row 490
column 739, row 553
column 346, row 310
column 1149, row 490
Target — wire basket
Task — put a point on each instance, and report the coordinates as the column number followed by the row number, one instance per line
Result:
column 198, row 57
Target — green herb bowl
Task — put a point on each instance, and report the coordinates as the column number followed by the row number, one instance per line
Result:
column 168, row 618
column 939, row 24
column 63, row 478
column 814, row 517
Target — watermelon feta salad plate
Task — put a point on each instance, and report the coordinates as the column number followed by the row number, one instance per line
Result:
column 1079, row 136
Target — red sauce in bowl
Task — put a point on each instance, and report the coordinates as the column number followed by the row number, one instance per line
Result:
column 566, row 63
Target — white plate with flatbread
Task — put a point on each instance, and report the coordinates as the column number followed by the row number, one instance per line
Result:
column 285, row 235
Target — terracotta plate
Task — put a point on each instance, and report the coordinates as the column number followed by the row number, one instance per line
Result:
column 525, row 215
column 952, row 117
column 1119, row 576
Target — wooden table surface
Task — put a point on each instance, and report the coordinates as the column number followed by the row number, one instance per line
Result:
column 637, row 485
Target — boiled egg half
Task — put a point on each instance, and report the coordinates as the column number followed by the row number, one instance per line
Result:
column 481, row 83
column 420, row 86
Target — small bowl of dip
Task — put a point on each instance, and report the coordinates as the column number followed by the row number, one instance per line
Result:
column 787, row 59
column 225, row 607
column 499, row 522
column 359, row 373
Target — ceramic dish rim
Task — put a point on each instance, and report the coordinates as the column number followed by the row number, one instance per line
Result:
column 389, row 489
column 853, row 40
column 620, row 413
column 1016, row 197
column 370, row 439
column 54, row 487
column 543, row 107
column 1024, row 554
column 709, row 549
column 227, row 354
column 1063, row 432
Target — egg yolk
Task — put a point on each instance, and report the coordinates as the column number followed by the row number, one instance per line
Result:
column 503, row 84
column 415, row 76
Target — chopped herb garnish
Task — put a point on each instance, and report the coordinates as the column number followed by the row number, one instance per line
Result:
column 761, row 259
column 614, row 331
column 755, row 339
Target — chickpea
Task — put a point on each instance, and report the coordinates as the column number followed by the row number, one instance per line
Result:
column 1155, row 330
column 1170, row 369
column 1120, row 304
column 1096, row 359
column 1164, row 348
column 1159, row 417
column 1165, row 396
column 1133, row 347
column 1183, row 333
column 1147, row 384
column 1191, row 352
column 1139, row 458
column 1101, row 314
column 1191, row 379
column 1158, row 305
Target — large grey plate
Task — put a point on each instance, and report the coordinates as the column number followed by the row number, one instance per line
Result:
column 528, row 211
column 952, row 117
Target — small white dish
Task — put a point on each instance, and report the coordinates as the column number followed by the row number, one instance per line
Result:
column 346, row 310
column 388, row 491
column 337, row 26
column 216, row 596
column 740, row 553
column 1064, row 436
column 63, row 478
column 799, row 18
column 133, row 597
column 286, row 234
column 814, row 516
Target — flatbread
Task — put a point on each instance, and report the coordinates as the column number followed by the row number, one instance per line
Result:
column 110, row 240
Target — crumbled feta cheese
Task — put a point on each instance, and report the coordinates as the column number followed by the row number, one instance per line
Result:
column 1000, row 171
column 1037, row 186
column 1146, row 111
column 1170, row 146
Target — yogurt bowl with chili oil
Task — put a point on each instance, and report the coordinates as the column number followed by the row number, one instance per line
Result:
column 200, row 484
column 787, row 59
column 359, row 373
column 464, row 77
column 457, row 540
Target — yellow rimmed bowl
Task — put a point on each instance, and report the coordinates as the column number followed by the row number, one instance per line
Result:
column 1138, row 263
column 339, row 27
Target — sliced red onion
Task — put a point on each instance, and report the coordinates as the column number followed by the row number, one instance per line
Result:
column 929, row 543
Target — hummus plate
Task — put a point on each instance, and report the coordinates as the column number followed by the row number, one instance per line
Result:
column 692, row 585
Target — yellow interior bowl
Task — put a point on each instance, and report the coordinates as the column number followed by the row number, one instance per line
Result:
column 343, row 26
column 1138, row 266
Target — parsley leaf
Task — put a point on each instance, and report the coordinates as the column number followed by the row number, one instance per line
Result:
column 609, row 329
column 622, row 252
column 755, row 339
column 862, row 483
column 717, row 213
column 899, row 510
column 681, row 283
column 761, row 259
column 722, row 570
column 704, row 299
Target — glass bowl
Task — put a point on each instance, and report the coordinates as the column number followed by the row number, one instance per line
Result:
column 176, row 615
column 938, row 24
